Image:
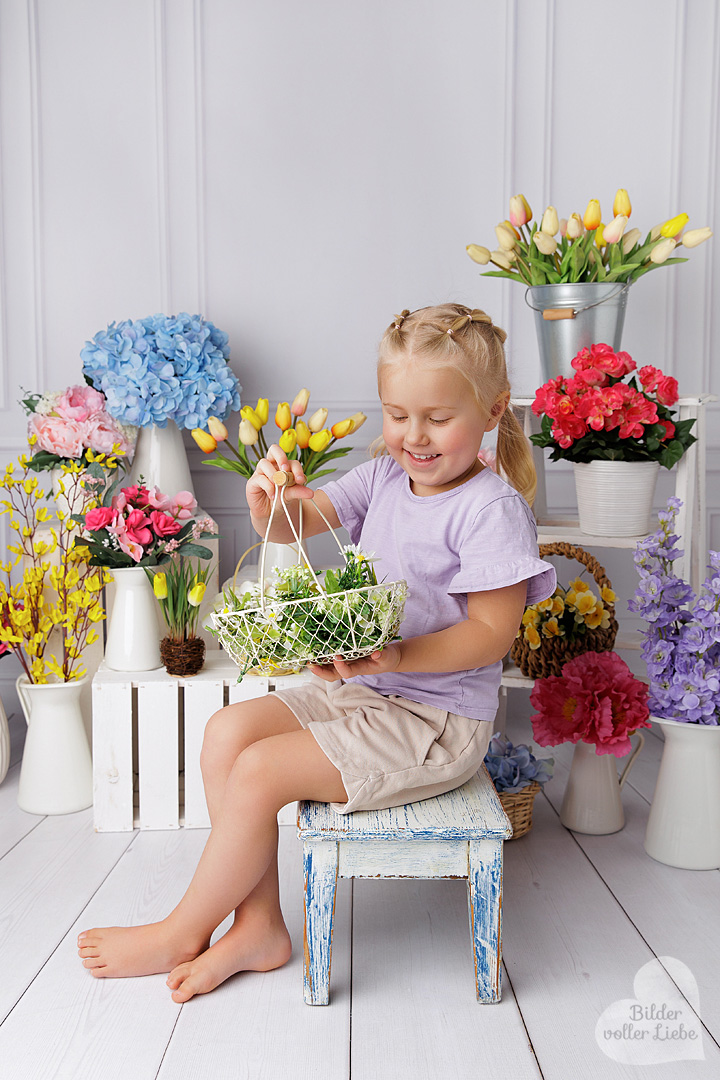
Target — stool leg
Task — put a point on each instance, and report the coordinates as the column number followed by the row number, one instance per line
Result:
column 320, row 864
column 485, row 859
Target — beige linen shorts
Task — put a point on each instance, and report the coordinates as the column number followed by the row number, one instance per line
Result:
column 389, row 750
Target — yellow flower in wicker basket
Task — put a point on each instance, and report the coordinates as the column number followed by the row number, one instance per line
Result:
column 532, row 637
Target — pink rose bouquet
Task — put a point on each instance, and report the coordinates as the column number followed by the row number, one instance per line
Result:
column 139, row 526
column 597, row 415
column 595, row 700
column 73, row 426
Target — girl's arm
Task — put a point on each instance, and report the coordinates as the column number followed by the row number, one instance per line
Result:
column 260, row 492
column 481, row 639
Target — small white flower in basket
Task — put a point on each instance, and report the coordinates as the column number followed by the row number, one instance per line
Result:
column 300, row 620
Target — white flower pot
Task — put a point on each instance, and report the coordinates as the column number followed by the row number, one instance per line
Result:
column 160, row 458
column 134, row 631
column 56, row 772
column 683, row 828
column 615, row 498
column 592, row 803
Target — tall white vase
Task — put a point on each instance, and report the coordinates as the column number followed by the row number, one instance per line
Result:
column 615, row 498
column 160, row 458
column 56, row 772
column 683, row 828
column 592, row 802
column 133, row 632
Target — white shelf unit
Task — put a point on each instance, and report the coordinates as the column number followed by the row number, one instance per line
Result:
column 691, row 522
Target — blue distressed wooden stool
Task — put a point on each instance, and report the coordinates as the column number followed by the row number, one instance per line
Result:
column 459, row 834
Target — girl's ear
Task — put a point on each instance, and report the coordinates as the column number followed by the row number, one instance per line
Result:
column 496, row 413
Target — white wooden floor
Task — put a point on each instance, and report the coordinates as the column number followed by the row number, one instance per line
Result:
column 582, row 915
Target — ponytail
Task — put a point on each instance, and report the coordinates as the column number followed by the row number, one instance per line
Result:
column 514, row 456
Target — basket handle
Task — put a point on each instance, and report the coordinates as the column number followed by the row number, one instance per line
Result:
column 582, row 556
column 285, row 480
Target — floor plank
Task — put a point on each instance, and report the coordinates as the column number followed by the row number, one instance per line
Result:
column 14, row 822
column 44, row 882
column 70, row 1026
column 257, row 1024
column 414, row 1012
column 571, row 952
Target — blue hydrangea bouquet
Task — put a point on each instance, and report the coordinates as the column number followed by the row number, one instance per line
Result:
column 163, row 368
column 518, row 776
column 681, row 644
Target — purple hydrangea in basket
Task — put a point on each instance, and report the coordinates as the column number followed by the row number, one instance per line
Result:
column 681, row 644
column 513, row 768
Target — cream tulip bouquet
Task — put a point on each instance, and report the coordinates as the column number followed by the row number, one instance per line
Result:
column 582, row 249
column 311, row 443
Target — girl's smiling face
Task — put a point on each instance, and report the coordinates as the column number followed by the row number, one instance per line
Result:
column 433, row 425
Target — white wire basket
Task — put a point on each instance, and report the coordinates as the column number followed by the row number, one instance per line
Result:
column 276, row 636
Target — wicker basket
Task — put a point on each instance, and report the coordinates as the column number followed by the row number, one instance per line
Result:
column 555, row 652
column 284, row 635
column 518, row 805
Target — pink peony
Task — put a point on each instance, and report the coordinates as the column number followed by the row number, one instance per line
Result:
column 102, row 434
column 595, row 700
column 62, row 437
column 183, row 505
column 649, row 377
column 164, row 524
column 99, row 518
column 79, row 403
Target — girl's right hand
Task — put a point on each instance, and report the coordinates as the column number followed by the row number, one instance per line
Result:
column 260, row 488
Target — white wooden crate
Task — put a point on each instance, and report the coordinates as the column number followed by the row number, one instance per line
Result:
column 147, row 733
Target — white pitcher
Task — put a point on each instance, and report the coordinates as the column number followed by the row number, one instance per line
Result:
column 592, row 802
column 56, row 773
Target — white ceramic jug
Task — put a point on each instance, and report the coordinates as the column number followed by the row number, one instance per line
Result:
column 592, row 802
column 56, row 772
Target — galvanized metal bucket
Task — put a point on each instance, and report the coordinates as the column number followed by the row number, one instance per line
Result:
column 571, row 317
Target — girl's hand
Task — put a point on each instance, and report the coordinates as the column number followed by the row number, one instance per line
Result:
column 260, row 488
column 378, row 663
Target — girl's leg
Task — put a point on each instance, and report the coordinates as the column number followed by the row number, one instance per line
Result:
column 267, row 775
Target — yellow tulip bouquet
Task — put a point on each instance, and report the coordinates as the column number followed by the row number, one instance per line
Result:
column 582, row 249
column 311, row 443
column 58, row 589
column 180, row 590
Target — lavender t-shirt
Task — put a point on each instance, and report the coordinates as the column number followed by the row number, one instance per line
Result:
column 478, row 536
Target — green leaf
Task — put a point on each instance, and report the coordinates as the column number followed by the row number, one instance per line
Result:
column 197, row 550
column 231, row 466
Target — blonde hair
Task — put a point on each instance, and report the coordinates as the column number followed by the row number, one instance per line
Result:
column 465, row 339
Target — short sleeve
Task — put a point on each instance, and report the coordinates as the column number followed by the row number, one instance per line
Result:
column 351, row 494
column 500, row 548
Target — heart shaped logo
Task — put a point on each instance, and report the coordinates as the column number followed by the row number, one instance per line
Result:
column 661, row 1023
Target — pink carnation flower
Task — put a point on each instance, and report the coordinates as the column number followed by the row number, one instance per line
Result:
column 596, row 700
column 80, row 403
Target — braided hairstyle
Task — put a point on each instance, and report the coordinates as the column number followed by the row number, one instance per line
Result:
column 452, row 335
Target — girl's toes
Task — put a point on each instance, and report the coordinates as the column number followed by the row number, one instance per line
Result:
column 93, row 962
column 177, row 975
column 89, row 950
column 191, row 984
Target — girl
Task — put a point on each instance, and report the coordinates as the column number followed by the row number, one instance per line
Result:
column 408, row 722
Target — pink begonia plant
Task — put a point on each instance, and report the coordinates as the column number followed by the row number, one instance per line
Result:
column 596, row 699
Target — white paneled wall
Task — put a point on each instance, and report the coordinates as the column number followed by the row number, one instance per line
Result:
column 299, row 172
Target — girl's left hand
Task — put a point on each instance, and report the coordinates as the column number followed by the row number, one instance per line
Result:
column 379, row 662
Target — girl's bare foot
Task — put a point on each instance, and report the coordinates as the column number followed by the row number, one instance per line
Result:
column 247, row 946
column 116, row 952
